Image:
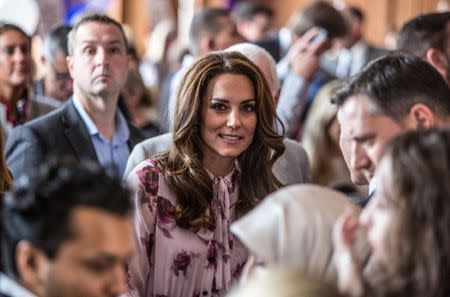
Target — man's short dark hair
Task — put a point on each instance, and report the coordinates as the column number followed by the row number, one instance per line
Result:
column 394, row 83
column 424, row 32
column 319, row 14
column 246, row 11
column 39, row 207
column 96, row 18
column 206, row 21
column 56, row 42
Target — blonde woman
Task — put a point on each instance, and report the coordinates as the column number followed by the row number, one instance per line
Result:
column 321, row 142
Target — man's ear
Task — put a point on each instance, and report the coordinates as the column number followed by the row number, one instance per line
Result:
column 422, row 117
column 32, row 266
column 69, row 62
column 438, row 60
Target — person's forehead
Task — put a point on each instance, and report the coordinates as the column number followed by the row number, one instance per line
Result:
column 358, row 116
column 13, row 36
column 262, row 19
column 94, row 227
column 94, row 30
column 355, row 107
column 225, row 23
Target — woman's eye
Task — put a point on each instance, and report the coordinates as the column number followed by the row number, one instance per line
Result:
column 248, row 108
column 219, row 106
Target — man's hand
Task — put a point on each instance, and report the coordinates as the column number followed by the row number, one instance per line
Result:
column 304, row 55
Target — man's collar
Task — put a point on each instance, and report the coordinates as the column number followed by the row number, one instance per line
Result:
column 122, row 131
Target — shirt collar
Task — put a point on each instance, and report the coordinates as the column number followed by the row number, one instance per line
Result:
column 122, row 132
column 12, row 288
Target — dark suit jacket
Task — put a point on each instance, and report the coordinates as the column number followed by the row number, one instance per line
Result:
column 58, row 134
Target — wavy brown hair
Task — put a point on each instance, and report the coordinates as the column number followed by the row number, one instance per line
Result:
column 419, row 243
column 182, row 165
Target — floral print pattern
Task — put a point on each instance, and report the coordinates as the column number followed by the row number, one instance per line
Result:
column 172, row 261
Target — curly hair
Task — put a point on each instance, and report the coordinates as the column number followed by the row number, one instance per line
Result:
column 182, row 165
column 419, row 172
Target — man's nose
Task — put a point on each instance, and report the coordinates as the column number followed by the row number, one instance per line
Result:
column 118, row 282
column 101, row 57
column 358, row 159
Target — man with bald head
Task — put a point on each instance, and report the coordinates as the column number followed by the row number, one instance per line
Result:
column 291, row 168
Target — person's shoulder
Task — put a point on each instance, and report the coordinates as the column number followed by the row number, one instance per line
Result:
column 156, row 144
column 47, row 121
column 293, row 146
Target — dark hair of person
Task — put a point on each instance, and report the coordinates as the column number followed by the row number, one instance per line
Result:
column 420, row 173
column 394, row 83
column 94, row 18
column 424, row 32
column 246, row 11
column 6, row 27
column 56, row 42
column 319, row 14
column 182, row 165
column 355, row 12
column 38, row 209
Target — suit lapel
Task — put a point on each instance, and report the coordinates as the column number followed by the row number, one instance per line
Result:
column 77, row 134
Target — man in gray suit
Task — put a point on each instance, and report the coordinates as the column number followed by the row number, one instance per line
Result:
column 291, row 168
column 89, row 126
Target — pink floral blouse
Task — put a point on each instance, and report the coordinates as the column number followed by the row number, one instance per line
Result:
column 175, row 262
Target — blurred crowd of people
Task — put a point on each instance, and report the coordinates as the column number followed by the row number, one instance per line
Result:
column 299, row 162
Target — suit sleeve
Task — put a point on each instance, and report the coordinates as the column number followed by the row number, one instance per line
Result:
column 23, row 151
column 292, row 103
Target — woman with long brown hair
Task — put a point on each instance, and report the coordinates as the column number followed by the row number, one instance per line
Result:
column 219, row 167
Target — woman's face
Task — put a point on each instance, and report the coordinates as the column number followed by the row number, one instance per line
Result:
column 15, row 59
column 228, row 117
column 380, row 217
